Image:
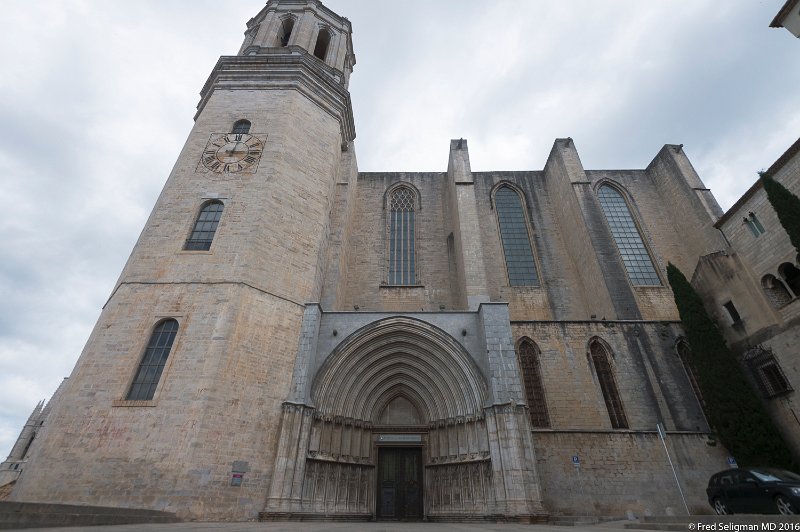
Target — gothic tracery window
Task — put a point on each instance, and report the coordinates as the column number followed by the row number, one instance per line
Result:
column 516, row 241
column 205, row 227
column 402, row 260
column 153, row 361
column 626, row 235
column 608, row 386
column 529, row 354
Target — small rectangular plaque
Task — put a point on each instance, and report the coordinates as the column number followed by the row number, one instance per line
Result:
column 400, row 438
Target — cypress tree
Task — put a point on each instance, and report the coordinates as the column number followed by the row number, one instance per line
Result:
column 786, row 205
column 734, row 410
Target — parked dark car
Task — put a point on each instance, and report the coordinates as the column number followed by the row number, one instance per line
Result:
column 754, row 490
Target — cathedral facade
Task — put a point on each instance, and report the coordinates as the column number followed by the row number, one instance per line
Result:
column 294, row 339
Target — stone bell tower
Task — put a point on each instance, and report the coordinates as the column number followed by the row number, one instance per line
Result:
column 175, row 401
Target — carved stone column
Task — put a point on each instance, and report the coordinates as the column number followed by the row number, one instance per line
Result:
column 286, row 488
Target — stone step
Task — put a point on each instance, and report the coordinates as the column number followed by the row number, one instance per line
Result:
column 572, row 520
column 36, row 515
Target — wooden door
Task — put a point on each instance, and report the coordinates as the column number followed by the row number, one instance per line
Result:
column 400, row 483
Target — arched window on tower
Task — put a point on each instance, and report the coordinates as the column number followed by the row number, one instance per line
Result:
column 791, row 275
column 402, row 260
column 626, row 235
column 153, row 361
column 204, row 228
column 241, row 126
column 685, row 354
column 285, row 32
column 323, row 41
column 776, row 291
column 520, row 266
column 605, row 377
column 529, row 354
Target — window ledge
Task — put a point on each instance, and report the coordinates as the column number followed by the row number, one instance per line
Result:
column 195, row 252
column 127, row 402
column 402, row 286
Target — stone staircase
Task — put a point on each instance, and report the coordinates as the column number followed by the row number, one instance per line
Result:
column 38, row 515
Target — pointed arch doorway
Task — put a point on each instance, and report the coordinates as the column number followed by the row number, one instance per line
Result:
column 393, row 427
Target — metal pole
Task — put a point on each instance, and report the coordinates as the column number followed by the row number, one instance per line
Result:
column 662, row 434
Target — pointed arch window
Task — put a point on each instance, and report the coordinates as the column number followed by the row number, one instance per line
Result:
column 402, row 259
column 152, row 365
column 520, row 266
column 685, row 354
column 605, row 377
column 241, row 126
column 529, row 354
column 285, row 31
column 323, row 41
column 205, row 227
column 627, row 237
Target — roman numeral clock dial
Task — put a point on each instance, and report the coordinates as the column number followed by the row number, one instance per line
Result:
column 232, row 153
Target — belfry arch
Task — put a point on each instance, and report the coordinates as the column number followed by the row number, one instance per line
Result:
column 399, row 388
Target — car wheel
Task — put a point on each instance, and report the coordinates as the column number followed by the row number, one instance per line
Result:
column 784, row 506
column 720, row 507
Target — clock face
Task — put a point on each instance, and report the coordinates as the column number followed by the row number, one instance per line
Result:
column 232, row 152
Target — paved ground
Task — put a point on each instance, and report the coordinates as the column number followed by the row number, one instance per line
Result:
column 337, row 527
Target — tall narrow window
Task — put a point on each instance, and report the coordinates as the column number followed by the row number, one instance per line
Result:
column 605, row 377
column 754, row 224
column 685, row 354
column 532, row 378
column 286, row 31
column 626, row 236
column 323, row 40
column 153, row 361
column 732, row 312
column 205, row 227
column 520, row 265
column 241, row 126
column 402, row 267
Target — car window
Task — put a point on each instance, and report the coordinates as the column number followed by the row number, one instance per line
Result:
column 726, row 480
column 775, row 475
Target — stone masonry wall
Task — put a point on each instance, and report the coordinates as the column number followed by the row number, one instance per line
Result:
column 625, row 471
column 652, row 383
column 367, row 267
column 218, row 402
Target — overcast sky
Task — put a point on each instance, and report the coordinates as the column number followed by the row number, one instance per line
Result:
column 97, row 98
